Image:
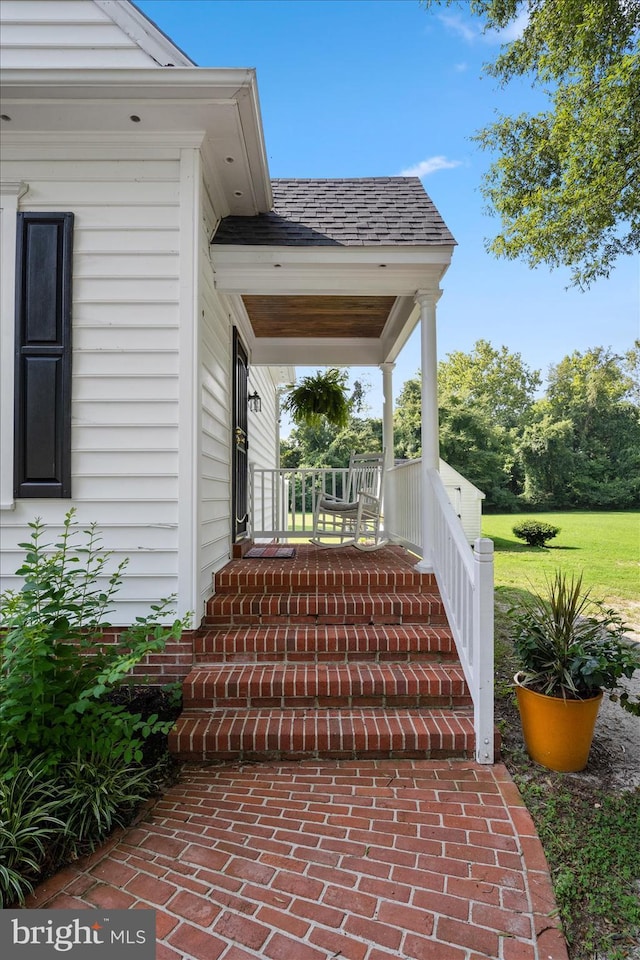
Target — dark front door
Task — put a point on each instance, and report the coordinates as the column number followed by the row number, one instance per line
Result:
column 240, row 470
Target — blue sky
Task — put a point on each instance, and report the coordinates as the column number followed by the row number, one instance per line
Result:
column 354, row 88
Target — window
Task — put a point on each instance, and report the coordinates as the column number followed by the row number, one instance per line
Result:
column 42, row 433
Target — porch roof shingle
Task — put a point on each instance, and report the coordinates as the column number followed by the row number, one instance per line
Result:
column 388, row 211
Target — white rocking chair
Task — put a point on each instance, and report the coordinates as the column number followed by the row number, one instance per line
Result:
column 355, row 519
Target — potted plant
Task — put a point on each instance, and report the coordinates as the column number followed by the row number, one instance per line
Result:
column 317, row 396
column 570, row 649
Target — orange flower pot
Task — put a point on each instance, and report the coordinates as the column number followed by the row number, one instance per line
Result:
column 557, row 732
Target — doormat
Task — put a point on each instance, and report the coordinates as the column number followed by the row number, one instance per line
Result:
column 273, row 552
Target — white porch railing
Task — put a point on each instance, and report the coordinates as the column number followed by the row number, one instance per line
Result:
column 282, row 506
column 465, row 581
column 282, row 501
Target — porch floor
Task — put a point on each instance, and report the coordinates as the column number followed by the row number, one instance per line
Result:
column 362, row 860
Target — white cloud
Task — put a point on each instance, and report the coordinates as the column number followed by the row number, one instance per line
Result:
column 431, row 165
column 461, row 67
column 471, row 31
column 454, row 22
column 509, row 33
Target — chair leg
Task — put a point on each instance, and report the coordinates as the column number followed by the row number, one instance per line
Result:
column 367, row 548
column 333, row 546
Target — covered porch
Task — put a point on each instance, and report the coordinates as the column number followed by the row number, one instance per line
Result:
column 340, row 273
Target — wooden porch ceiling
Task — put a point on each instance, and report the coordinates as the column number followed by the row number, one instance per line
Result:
column 333, row 317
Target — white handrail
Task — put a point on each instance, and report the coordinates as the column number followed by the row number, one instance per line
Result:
column 465, row 581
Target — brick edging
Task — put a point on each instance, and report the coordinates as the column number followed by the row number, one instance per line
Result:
column 547, row 926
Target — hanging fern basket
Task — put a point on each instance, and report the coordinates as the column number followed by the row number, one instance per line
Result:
column 318, row 397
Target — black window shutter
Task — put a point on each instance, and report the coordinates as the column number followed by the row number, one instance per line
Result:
column 43, row 355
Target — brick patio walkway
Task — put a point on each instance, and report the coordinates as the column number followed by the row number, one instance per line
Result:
column 319, row 860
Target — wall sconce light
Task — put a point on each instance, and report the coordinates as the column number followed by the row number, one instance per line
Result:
column 255, row 402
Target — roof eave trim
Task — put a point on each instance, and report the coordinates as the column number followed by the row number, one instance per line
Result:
column 376, row 254
column 202, row 83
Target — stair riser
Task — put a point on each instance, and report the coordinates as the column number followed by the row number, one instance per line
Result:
column 390, row 701
column 326, row 735
column 324, row 645
column 213, row 753
column 380, row 620
column 330, row 656
column 320, row 609
column 321, row 686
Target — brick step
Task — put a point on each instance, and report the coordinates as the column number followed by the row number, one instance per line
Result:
column 318, row 608
column 352, row 642
column 246, row 576
column 293, row 734
column 322, row 685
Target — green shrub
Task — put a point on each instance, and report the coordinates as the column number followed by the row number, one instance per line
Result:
column 98, row 794
column 535, row 532
column 71, row 744
column 47, row 818
column 56, row 667
column 31, row 822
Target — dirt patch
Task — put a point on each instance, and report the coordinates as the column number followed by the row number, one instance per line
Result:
column 615, row 752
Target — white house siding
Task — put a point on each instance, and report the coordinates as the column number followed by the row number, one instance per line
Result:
column 64, row 33
column 215, row 426
column 263, row 441
column 262, row 426
column 216, row 320
column 125, row 412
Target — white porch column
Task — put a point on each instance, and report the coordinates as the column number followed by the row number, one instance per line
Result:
column 387, row 443
column 427, row 299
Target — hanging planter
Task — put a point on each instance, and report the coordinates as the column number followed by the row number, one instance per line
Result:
column 318, row 397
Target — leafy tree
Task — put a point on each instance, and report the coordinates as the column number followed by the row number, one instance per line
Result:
column 587, row 384
column 327, row 446
column 545, row 450
column 407, row 420
column 631, row 367
column 469, row 440
column 480, row 450
column 305, row 444
column 582, row 447
column 485, row 398
column 495, row 380
column 566, row 181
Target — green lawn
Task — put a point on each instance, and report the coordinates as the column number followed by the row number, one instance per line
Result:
column 604, row 547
